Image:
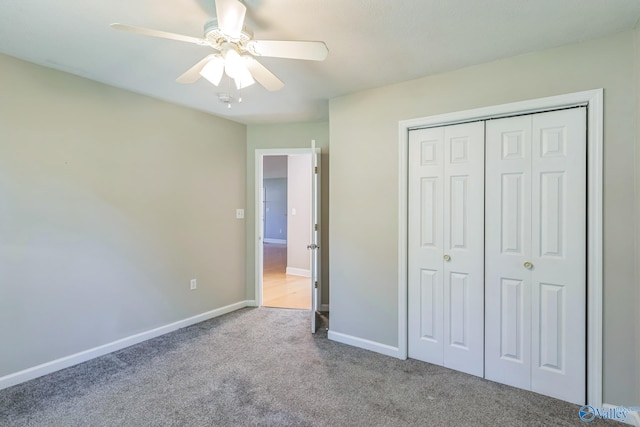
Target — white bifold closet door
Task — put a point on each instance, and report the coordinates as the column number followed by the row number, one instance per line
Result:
column 446, row 244
column 536, row 253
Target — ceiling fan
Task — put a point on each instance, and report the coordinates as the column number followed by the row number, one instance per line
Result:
column 236, row 49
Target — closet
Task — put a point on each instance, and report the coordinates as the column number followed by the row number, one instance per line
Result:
column 497, row 250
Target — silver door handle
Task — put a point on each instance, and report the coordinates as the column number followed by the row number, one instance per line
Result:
column 313, row 246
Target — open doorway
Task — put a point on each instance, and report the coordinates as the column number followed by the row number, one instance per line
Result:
column 286, row 230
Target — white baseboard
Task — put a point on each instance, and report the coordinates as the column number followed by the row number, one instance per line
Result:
column 298, row 272
column 280, row 241
column 323, row 307
column 83, row 356
column 385, row 349
column 632, row 419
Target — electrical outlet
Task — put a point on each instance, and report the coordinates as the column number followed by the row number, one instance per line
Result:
column 194, row 284
column 239, row 213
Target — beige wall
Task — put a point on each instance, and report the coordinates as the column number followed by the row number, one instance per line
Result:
column 364, row 185
column 110, row 202
column 292, row 135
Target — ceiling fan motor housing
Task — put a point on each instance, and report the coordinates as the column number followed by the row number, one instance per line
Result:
column 213, row 34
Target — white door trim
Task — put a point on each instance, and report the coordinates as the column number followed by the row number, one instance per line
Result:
column 593, row 99
column 259, row 259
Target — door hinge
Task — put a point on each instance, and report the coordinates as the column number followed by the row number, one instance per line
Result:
column 315, row 169
column 315, row 227
column 315, row 285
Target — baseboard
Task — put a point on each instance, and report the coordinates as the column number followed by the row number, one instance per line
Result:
column 633, row 418
column 83, row 356
column 280, row 241
column 385, row 349
column 323, row 307
column 298, row 272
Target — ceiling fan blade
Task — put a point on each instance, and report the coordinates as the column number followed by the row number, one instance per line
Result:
column 161, row 34
column 263, row 76
column 230, row 15
column 193, row 73
column 312, row 51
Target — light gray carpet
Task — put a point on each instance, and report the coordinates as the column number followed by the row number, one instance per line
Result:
column 263, row 367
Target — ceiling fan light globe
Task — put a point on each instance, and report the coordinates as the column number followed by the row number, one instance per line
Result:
column 244, row 79
column 233, row 64
column 213, row 70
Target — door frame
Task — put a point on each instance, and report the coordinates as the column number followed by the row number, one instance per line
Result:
column 259, row 176
column 593, row 100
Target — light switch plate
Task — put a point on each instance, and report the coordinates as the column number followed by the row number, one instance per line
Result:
column 239, row 213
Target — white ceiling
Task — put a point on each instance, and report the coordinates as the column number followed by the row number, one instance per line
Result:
column 371, row 43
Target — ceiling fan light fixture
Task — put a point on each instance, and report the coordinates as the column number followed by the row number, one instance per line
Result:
column 227, row 35
column 233, row 64
column 216, row 37
column 244, row 79
column 213, row 70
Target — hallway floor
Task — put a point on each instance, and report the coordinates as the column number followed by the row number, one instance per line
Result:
column 278, row 288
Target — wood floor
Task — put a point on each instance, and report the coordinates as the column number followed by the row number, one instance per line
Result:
column 280, row 289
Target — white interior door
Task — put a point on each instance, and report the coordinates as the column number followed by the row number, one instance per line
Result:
column 315, row 233
column 536, row 253
column 446, row 244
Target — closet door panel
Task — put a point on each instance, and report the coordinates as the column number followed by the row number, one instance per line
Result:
column 464, row 248
column 535, row 253
column 508, row 247
column 426, row 238
column 559, row 254
column 446, row 231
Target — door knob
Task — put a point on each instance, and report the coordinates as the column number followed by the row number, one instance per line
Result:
column 447, row 258
column 528, row 265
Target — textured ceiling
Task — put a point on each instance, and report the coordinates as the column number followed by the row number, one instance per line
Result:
column 371, row 43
